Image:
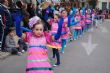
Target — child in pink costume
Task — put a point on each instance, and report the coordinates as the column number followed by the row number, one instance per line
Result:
column 37, row 60
column 78, row 18
column 65, row 29
column 56, row 44
column 88, row 20
column 78, row 26
column 82, row 22
column 94, row 15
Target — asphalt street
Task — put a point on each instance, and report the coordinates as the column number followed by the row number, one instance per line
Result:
column 95, row 58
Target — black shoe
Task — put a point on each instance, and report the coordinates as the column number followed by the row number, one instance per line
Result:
column 57, row 64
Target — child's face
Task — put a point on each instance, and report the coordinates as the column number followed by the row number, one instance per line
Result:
column 55, row 18
column 88, row 12
column 78, row 13
column 64, row 13
column 12, row 33
column 38, row 29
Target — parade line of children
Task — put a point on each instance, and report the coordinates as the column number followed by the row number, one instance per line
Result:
column 64, row 28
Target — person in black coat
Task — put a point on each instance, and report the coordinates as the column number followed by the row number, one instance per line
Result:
column 6, row 17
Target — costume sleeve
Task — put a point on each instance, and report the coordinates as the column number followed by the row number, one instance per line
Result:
column 73, row 12
column 26, row 29
column 50, row 22
column 27, row 36
column 69, row 19
column 48, row 36
column 59, row 31
column 84, row 10
column 18, row 18
column 72, row 22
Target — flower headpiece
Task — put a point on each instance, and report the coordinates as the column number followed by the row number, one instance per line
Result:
column 33, row 21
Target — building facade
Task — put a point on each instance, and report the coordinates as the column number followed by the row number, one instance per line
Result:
column 103, row 4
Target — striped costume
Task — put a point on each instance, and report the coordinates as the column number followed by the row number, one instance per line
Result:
column 38, row 61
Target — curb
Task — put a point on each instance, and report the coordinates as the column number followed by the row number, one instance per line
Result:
column 4, row 55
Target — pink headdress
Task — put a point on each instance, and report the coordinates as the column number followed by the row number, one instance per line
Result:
column 33, row 21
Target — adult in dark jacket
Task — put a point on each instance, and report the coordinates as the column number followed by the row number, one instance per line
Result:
column 6, row 17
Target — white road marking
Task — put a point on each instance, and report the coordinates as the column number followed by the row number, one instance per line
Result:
column 89, row 46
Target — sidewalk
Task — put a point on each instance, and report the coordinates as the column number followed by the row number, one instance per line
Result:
column 4, row 55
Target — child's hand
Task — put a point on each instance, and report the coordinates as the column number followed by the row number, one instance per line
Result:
column 70, row 34
column 17, row 46
column 53, row 38
column 23, row 36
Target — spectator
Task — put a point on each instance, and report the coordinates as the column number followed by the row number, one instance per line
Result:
column 30, row 10
column 23, row 7
column 14, row 46
column 26, row 16
column 10, row 42
column 34, row 3
column 19, row 4
column 6, row 17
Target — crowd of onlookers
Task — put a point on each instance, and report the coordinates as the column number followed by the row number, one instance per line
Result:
column 11, row 42
column 105, row 13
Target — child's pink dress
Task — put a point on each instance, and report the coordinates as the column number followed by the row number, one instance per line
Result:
column 78, row 25
column 82, row 22
column 37, row 60
column 88, row 21
column 56, row 43
column 65, row 29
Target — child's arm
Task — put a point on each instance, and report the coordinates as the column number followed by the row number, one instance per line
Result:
column 26, row 29
column 48, row 36
column 72, row 22
column 51, row 21
column 23, row 36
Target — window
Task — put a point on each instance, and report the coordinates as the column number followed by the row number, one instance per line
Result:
column 104, row 5
column 109, row 5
